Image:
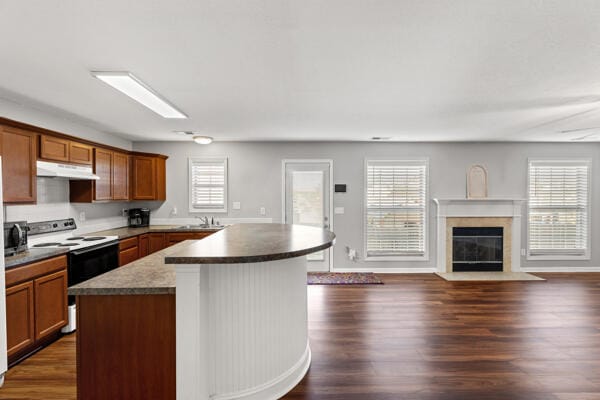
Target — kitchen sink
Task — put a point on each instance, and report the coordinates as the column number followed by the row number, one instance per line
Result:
column 201, row 226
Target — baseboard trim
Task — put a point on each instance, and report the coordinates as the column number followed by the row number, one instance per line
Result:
column 276, row 388
column 560, row 269
column 388, row 270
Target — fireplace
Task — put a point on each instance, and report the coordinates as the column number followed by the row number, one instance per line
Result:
column 477, row 248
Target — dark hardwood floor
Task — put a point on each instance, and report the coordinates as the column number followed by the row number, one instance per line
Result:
column 420, row 337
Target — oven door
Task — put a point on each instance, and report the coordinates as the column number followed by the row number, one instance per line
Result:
column 87, row 263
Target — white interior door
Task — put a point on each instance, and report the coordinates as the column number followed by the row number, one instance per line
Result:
column 307, row 198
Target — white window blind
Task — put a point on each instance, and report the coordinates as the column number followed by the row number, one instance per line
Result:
column 558, row 207
column 208, row 185
column 396, row 208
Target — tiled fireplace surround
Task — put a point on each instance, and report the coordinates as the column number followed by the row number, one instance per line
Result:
column 489, row 212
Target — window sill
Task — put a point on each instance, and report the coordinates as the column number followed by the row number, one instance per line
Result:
column 208, row 210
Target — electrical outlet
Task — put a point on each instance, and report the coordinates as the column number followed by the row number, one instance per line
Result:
column 82, row 216
column 124, row 212
column 263, row 211
column 237, row 205
column 174, row 211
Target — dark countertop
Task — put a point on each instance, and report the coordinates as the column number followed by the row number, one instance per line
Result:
column 249, row 243
column 148, row 275
column 32, row 255
column 127, row 232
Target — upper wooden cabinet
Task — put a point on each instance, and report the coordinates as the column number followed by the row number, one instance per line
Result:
column 18, row 165
column 148, row 177
column 113, row 170
column 80, row 153
column 103, row 166
column 53, row 148
column 120, row 176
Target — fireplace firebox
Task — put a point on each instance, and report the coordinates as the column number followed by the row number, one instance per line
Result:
column 477, row 249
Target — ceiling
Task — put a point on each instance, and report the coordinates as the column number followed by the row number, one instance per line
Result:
column 421, row 70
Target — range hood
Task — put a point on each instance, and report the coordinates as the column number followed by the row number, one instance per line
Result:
column 66, row 171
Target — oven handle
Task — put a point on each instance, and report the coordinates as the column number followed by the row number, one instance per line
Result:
column 100, row 246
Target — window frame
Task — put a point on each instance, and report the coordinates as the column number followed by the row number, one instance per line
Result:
column 421, row 257
column 225, row 161
column 557, row 256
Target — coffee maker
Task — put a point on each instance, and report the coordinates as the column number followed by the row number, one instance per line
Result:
column 139, row 217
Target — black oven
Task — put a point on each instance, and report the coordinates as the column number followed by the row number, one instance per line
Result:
column 92, row 261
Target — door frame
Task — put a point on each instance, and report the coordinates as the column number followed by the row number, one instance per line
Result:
column 284, row 163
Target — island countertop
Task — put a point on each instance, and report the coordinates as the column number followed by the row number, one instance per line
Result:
column 251, row 243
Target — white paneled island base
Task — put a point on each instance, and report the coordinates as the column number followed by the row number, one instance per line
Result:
column 242, row 327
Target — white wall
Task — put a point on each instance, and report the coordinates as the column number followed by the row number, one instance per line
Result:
column 255, row 181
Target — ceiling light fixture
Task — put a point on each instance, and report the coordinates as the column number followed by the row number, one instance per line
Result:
column 128, row 84
column 203, row 139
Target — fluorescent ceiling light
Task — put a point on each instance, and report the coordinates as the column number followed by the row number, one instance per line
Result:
column 128, row 84
column 203, row 139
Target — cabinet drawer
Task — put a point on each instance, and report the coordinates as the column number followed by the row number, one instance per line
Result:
column 125, row 244
column 50, row 294
column 129, row 255
column 34, row 270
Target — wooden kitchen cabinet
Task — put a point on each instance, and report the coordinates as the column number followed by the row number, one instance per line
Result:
column 176, row 237
column 53, row 148
column 143, row 178
column 80, row 153
column 156, row 242
column 19, row 317
column 19, row 156
column 113, row 169
column 120, row 176
column 50, row 294
column 144, row 245
column 148, row 177
column 103, row 166
column 36, row 305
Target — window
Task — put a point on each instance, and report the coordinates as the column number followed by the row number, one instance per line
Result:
column 396, row 209
column 208, row 185
column 559, row 209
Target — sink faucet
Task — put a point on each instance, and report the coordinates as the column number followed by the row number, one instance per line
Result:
column 203, row 220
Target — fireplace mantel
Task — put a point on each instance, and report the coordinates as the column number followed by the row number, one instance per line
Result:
column 479, row 208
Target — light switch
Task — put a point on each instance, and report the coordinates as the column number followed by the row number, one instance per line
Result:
column 338, row 210
column 237, row 205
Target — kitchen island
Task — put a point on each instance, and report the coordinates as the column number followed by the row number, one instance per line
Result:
column 237, row 330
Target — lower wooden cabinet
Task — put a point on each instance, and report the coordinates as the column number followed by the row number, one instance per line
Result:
column 133, row 248
column 36, row 305
column 50, row 296
column 20, row 322
column 176, row 237
column 144, row 245
column 156, row 242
